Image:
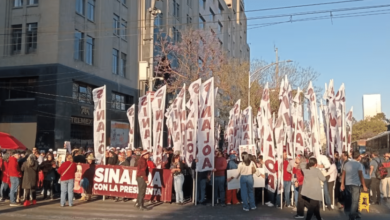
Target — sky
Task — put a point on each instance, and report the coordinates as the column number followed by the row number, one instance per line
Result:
column 353, row 50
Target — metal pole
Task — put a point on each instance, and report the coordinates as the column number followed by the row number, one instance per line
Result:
column 153, row 14
column 213, row 190
column 193, row 187
column 262, row 195
column 196, row 187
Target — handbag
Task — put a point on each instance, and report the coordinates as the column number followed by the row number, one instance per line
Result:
column 59, row 180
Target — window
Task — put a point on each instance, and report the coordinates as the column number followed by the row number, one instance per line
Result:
column 78, row 46
column 124, row 29
column 20, row 88
column 16, row 45
column 89, row 51
column 91, row 10
column 18, row 3
column 118, row 101
column 189, row 19
column 212, row 15
column 202, row 22
column 176, row 8
column 115, row 54
column 158, row 21
column 122, row 65
column 32, row 2
column 220, row 27
column 176, row 34
column 82, row 93
column 80, row 6
column 202, row 4
column 220, row 8
column 31, row 37
column 189, row 3
column 115, row 24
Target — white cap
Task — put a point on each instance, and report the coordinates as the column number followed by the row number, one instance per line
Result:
column 118, row 148
column 123, row 150
column 54, row 152
column 50, row 150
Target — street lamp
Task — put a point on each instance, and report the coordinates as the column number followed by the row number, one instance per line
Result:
column 259, row 71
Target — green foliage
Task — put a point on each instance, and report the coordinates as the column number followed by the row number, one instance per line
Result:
column 369, row 128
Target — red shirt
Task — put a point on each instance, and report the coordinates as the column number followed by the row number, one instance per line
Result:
column 4, row 169
column 151, row 164
column 70, row 174
column 142, row 168
column 286, row 175
column 299, row 175
column 13, row 167
column 220, row 165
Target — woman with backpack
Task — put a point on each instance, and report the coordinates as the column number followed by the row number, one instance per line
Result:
column 246, row 169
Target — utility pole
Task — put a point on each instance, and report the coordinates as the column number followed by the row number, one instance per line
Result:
column 277, row 67
column 153, row 11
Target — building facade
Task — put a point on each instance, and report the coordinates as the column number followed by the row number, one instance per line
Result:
column 53, row 54
column 371, row 105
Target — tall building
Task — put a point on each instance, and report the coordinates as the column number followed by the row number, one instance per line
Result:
column 371, row 105
column 53, row 54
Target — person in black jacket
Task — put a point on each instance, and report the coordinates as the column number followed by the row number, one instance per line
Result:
column 112, row 158
column 201, row 187
column 48, row 168
column 122, row 162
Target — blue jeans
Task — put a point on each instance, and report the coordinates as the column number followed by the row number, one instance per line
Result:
column 326, row 193
column 14, row 188
column 202, row 190
column 247, row 195
column 287, row 190
column 352, row 194
column 67, row 189
column 178, row 181
column 3, row 190
column 219, row 186
column 296, row 192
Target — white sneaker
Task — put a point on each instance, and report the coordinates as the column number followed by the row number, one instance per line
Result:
column 270, row 205
column 267, row 203
column 247, row 210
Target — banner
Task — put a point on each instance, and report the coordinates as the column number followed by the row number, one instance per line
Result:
column 280, row 138
column 145, row 120
column 206, row 127
column 332, row 118
column 217, row 136
column 250, row 149
column 246, row 123
column 237, row 124
column 119, row 134
column 175, row 117
column 192, row 121
column 349, row 122
column 99, row 124
column 260, row 130
column 120, row 181
column 267, row 136
column 298, row 123
column 314, row 125
column 169, row 124
column 158, row 107
column 131, row 117
column 258, row 181
column 230, row 131
column 285, row 113
column 340, row 110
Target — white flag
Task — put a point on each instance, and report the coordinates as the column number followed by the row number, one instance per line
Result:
column 206, row 127
column 99, row 124
column 145, row 121
column 246, row 123
column 314, row 125
column 158, row 107
column 131, row 117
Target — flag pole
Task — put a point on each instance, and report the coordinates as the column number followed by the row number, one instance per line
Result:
column 196, row 187
column 193, row 187
column 213, row 189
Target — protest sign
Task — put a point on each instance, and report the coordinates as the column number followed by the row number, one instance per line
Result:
column 234, row 183
column 99, row 123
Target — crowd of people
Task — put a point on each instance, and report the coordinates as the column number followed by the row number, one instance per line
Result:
column 342, row 179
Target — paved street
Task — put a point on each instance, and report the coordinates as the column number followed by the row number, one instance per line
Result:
column 110, row 210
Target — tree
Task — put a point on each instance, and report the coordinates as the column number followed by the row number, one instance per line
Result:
column 369, row 128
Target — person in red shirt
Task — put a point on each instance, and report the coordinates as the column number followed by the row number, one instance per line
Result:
column 5, row 178
column 300, row 161
column 220, row 165
column 287, row 176
column 15, row 175
column 142, row 179
column 67, row 172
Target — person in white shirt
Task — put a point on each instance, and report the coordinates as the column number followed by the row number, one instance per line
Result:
column 324, row 165
column 331, row 175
